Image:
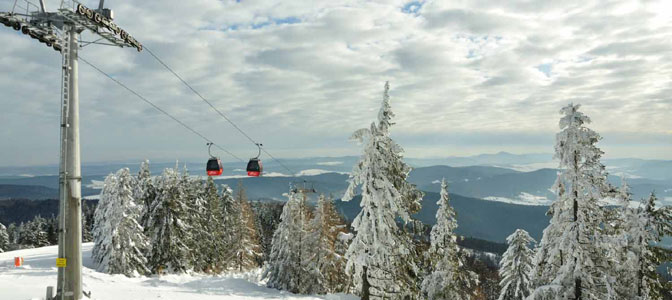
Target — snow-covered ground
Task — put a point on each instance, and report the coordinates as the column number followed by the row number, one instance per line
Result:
column 39, row 271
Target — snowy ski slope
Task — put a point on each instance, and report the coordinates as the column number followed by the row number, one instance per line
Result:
column 39, row 270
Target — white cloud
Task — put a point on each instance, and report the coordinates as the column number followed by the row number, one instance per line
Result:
column 456, row 68
column 314, row 172
column 96, row 184
column 522, row 199
column 330, row 163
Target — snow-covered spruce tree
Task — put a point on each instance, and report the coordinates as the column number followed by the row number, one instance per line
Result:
column 87, row 236
column 13, row 233
column 341, row 245
column 380, row 257
column 571, row 261
column 448, row 279
column 167, row 226
column 268, row 215
column 39, row 229
column 88, row 212
column 643, row 229
column 334, row 270
column 214, row 243
column 229, row 220
column 325, row 266
column 101, row 240
column 4, row 238
column 197, row 220
column 285, row 268
column 33, row 234
column 144, row 192
column 119, row 240
column 515, row 268
column 625, row 269
column 245, row 246
column 52, row 231
column 22, row 234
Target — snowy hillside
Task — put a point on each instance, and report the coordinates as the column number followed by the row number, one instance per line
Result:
column 31, row 280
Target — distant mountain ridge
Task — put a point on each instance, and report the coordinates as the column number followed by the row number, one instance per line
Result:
column 485, row 196
column 17, row 191
column 488, row 220
column 502, row 158
column 484, row 182
column 643, row 168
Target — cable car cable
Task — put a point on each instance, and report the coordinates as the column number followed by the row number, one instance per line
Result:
column 199, row 95
column 279, row 162
column 158, row 108
column 215, row 108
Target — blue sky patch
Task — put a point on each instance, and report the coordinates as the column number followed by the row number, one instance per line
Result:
column 288, row 20
column 546, row 69
column 412, row 7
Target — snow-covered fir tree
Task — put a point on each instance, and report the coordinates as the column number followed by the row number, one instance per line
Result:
column 119, row 240
column 13, row 233
column 88, row 212
column 87, row 235
column 285, row 269
column 229, row 220
column 101, row 240
column 39, row 229
column 380, row 257
column 341, row 245
column 268, row 217
column 325, row 266
column 214, row 242
column 571, row 262
column 197, row 220
column 245, row 245
column 33, row 234
column 644, row 228
column 144, row 192
column 448, row 278
column 4, row 238
column 515, row 268
column 18, row 233
column 625, row 269
column 167, row 226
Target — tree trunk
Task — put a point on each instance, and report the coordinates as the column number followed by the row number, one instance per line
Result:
column 640, row 279
column 574, row 186
column 365, row 285
column 577, row 289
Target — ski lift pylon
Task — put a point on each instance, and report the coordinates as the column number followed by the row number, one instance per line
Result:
column 304, row 189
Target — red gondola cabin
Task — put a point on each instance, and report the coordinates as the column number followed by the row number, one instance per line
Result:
column 214, row 167
column 254, row 167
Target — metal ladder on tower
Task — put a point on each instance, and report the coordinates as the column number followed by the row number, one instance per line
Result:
column 63, row 173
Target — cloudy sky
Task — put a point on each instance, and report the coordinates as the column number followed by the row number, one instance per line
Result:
column 467, row 77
